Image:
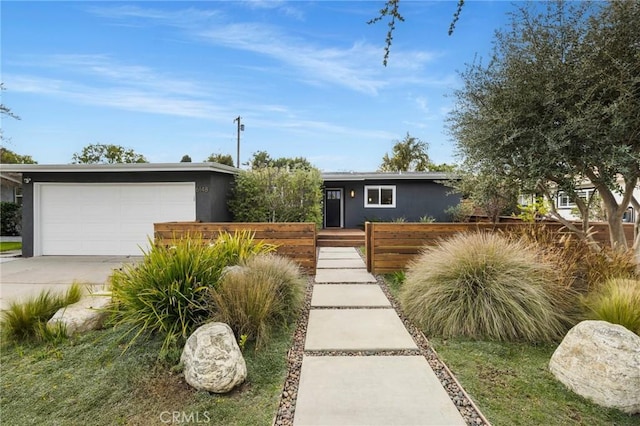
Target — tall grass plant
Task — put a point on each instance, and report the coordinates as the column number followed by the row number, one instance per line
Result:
column 483, row 286
column 27, row 320
column 617, row 301
column 265, row 293
column 167, row 292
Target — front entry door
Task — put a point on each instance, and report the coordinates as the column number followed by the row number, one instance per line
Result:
column 333, row 208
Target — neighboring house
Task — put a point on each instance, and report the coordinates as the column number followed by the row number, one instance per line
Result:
column 110, row 209
column 353, row 198
column 10, row 187
column 585, row 190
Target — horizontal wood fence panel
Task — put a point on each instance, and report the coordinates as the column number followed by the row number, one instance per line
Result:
column 296, row 241
column 390, row 247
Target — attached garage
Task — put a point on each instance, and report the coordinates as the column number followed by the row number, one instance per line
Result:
column 106, row 219
column 110, row 209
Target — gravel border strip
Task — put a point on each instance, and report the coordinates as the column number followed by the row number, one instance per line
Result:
column 286, row 410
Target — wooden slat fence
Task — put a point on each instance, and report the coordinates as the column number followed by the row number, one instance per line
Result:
column 391, row 246
column 296, row 241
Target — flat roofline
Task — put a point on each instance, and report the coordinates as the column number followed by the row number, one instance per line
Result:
column 119, row 167
column 356, row 176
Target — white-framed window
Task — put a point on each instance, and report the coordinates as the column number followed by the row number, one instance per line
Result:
column 564, row 201
column 380, row 196
column 17, row 195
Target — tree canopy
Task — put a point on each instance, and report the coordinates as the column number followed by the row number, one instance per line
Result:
column 107, row 154
column 185, row 159
column 407, row 155
column 9, row 157
column 261, row 159
column 558, row 103
column 225, row 159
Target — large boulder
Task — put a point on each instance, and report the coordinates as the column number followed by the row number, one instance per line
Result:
column 601, row 362
column 88, row 313
column 212, row 359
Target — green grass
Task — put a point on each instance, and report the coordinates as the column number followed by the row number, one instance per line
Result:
column 87, row 381
column 511, row 385
column 10, row 245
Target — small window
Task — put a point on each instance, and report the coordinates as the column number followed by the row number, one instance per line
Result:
column 380, row 196
column 334, row 194
column 564, row 201
column 17, row 195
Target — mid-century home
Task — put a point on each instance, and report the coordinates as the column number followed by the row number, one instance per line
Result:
column 110, row 209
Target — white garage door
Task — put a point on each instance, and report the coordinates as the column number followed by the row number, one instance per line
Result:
column 106, row 219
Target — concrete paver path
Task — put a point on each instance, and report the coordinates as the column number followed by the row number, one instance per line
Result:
column 349, row 312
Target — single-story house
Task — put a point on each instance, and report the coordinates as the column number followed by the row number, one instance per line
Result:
column 350, row 199
column 10, row 187
column 110, row 209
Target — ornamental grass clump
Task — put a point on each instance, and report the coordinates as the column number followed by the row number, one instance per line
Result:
column 616, row 301
column 264, row 293
column 27, row 320
column 167, row 292
column 483, row 286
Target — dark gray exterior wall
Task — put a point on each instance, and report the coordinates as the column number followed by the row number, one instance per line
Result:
column 212, row 192
column 414, row 199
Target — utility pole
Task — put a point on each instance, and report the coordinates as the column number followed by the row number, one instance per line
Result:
column 240, row 129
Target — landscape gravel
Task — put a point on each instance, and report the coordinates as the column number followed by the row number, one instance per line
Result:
column 286, row 410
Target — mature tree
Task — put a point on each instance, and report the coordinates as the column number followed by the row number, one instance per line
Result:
column 492, row 194
column 558, row 103
column 391, row 12
column 262, row 159
column 185, row 159
column 225, row 159
column 9, row 157
column 408, row 155
column 272, row 194
column 107, row 154
column 5, row 110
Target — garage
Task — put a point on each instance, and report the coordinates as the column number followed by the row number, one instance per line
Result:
column 106, row 219
column 110, row 209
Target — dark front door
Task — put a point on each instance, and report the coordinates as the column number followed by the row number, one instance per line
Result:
column 333, row 208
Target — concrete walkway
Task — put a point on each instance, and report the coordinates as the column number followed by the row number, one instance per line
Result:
column 350, row 313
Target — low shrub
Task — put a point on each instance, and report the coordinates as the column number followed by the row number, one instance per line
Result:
column 483, row 286
column 24, row 321
column 256, row 298
column 617, row 301
column 10, row 218
column 167, row 292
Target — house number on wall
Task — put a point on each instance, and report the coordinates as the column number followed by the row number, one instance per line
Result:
column 202, row 189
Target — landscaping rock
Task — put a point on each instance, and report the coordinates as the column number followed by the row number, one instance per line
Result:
column 212, row 359
column 87, row 314
column 601, row 362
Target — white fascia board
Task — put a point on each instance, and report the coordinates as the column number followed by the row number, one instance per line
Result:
column 120, row 167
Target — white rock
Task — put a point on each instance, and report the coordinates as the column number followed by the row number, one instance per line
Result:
column 212, row 359
column 86, row 314
column 601, row 362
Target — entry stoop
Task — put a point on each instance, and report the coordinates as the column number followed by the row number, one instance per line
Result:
column 340, row 238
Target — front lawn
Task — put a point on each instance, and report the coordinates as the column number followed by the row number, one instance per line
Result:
column 86, row 380
column 511, row 384
column 10, row 245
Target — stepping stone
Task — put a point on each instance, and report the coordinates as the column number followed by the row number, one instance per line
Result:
column 344, row 276
column 348, row 295
column 372, row 390
column 337, row 250
column 339, row 255
column 356, row 329
column 340, row 263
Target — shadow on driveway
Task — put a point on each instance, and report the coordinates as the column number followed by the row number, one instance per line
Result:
column 24, row 277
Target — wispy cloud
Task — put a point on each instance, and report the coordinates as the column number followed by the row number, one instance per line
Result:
column 354, row 65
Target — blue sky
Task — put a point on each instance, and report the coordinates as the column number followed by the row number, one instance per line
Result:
column 168, row 78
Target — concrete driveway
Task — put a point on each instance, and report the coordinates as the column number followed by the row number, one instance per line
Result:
column 24, row 277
